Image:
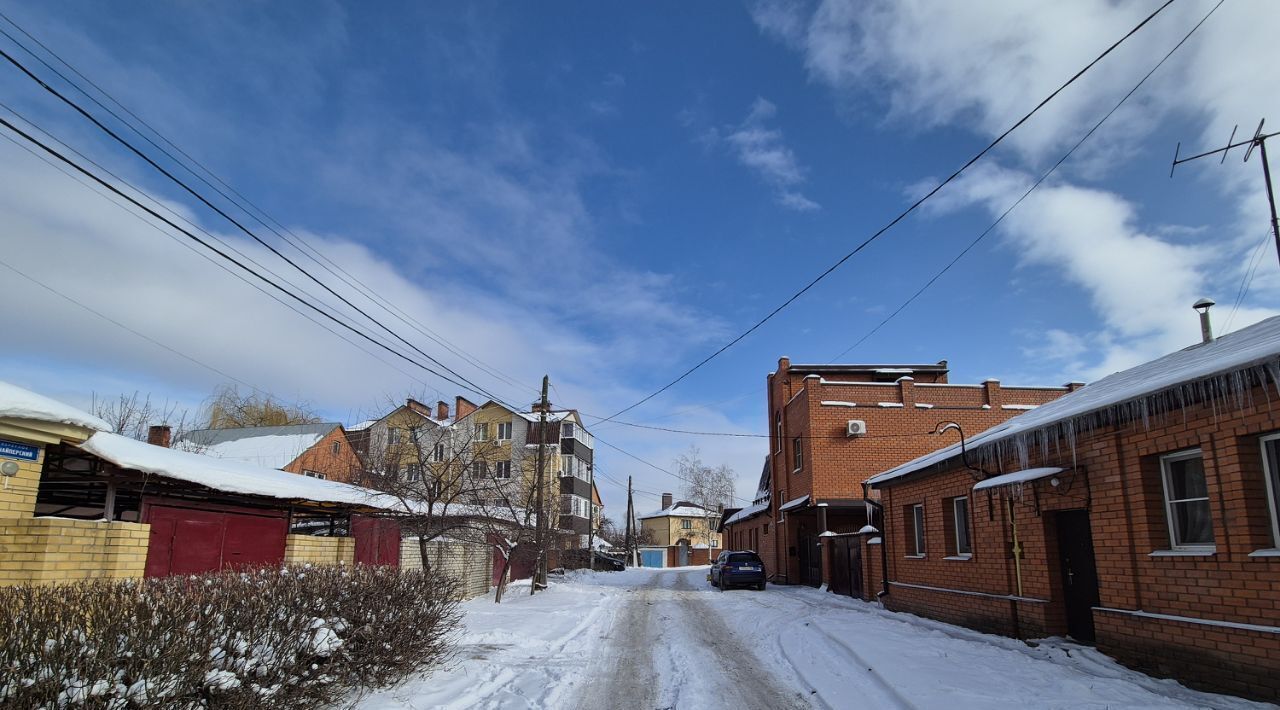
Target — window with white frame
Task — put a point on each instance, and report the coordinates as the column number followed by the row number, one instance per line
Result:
column 1186, row 500
column 960, row 518
column 479, row 469
column 313, row 474
column 715, row 542
column 504, row 431
column 797, row 454
column 686, row 524
column 777, row 424
column 502, row 469
column 393, row 436
column 337, row 448
column 482, row 431
column 437, row 453
column 916, row 540
column 1271, row 469
column 413, row 472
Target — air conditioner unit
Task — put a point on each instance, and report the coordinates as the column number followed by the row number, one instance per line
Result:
column 855, row 427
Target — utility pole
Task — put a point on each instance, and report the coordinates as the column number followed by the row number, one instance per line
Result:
column 591, row 514
column 631, row 528
column 1259, row 141
column 540, row 535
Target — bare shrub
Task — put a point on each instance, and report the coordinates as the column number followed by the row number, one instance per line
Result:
column 283, row 637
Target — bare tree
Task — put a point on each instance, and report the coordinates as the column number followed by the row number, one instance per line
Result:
column 132, row 415
column 229, row 408
column 710, row 487
column 455, row 482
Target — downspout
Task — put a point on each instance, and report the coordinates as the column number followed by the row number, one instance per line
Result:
column 1017, row 546
column 884, row 547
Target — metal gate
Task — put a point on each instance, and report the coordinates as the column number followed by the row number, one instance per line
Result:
column 377, row 540
column 810, row 560
column 846, row 565
column 192, row 541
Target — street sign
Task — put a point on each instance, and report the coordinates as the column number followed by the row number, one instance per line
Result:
column 15, row 450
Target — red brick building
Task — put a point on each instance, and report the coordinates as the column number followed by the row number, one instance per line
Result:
column 1142, row 511
column 834, row 426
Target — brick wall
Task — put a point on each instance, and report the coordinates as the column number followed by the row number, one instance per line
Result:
column 835, row 465
column 18, row 493
column 340, row 466
column 317, row 550
column 1119, row 483
column 467, row 562
column 50, row 550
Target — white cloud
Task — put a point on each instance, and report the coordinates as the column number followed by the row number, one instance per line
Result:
column 764, row 151
column 981, row 65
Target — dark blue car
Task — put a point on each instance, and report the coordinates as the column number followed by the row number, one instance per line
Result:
column 738, row 569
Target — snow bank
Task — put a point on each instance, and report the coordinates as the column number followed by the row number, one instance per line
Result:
column 20, row 403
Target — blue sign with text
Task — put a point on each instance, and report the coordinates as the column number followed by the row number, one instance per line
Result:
column 14, row 450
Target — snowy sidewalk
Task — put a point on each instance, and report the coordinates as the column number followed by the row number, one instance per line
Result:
column 665, row 639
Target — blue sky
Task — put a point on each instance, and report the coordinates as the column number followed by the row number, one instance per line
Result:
column 606, row 193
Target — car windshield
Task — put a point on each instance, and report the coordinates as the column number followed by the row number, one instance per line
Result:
column 743, row 558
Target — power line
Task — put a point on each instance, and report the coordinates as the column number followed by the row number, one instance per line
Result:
column 187, row 245
column 101, row 126
column 257, row 213
column 651, row 465
column 902, row 215
column 1033, row 186
column 1250, row 270
column 37, row 142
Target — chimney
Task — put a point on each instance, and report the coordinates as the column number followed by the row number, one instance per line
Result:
column 462, row 407
column 666, row 501
column 1206, row 327
column 159, row 435
column 442, row 410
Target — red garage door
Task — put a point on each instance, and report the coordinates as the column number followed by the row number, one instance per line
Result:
column 377, row 540
column 191, row 541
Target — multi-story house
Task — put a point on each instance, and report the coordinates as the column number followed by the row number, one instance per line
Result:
column 832, row 427
column 314, row 450
column 679, row 534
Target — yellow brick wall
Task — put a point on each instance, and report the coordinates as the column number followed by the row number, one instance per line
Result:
column 470, row 563
column 313, row 550
column 18, row 493
column 50, row 550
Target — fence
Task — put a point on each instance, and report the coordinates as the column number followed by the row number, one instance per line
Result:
column 471, row 563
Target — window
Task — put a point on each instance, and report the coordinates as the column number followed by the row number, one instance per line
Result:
column 777, row 425
column 715, row 542
column 797, row 453
column 766, row 528
column 393, row 435
column 568, row 465
column 479, row 469
column 1271, row 469
column 1186, row 497
column 337, row 447
column 502, row 469
column 504, row 431
column 960, row 520
column 413, row 472
column 566, row 430
column 437, row 453
column 566, row 505
column 313, row 474
column 686, row 524
column 482, row 431
column 915, row 531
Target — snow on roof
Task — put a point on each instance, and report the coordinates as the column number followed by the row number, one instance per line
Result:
column 273, row 446
column 227, row 475
column 20, row 403
column 363, row 425
column 1016, row 477
column 682, row 509
column 551, row 416
column 796, row 503
column 747, row 512
column 1254, row 346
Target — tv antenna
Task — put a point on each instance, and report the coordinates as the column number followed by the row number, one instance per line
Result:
column 1259, row 141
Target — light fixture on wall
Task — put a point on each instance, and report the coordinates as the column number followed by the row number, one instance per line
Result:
column 9, row 468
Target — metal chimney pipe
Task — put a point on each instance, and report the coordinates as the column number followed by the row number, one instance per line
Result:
column 1206, row 327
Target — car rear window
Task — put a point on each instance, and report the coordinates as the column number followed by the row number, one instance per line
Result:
column 741, row 557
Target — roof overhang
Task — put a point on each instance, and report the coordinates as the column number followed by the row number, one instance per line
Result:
column 1017, row 477
column 800, row 502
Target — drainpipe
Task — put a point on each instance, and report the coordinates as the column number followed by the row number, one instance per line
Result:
column 884, row 547
column 1017, row 546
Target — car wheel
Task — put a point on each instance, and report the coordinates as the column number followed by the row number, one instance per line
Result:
column 760, row 586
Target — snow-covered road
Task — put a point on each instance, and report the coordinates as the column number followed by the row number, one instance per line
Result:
column 666, row 639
